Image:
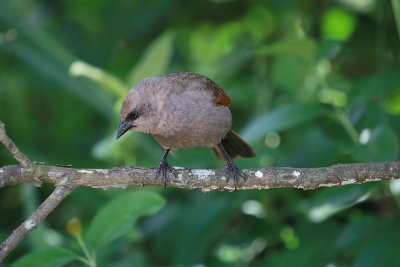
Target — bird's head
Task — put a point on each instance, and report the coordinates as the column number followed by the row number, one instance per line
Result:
column 135, row 113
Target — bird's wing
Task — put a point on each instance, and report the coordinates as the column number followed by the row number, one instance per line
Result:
column 183, row 81
column 221, row 98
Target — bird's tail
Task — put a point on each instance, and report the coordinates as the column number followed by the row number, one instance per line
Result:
column 234, row 146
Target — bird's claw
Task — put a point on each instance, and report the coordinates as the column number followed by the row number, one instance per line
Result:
column 163, row 168
column 232, row 171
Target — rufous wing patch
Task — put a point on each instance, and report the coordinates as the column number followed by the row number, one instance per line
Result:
column 221, row 98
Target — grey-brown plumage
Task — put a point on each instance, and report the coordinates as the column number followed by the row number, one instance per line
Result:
column 184, row 110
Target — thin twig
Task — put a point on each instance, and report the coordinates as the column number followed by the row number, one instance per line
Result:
column 34, row 220
column 9, row 144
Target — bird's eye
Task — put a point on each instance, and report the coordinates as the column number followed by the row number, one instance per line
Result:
column 132, row 116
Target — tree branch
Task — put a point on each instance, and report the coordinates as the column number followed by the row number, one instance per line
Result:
column 213, row 179
column 66, row 179
column 34, row 220
column 9, row 144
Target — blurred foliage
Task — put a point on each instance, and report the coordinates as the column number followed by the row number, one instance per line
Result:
column 313, row 84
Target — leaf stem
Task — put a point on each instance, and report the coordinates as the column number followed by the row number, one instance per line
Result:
column 344, row 120
column 91, row 261
column 82, row 259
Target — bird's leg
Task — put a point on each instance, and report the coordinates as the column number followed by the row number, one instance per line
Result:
column 164, row 167
column 231, row 169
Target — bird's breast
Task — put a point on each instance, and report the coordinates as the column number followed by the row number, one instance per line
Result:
column 190, row 119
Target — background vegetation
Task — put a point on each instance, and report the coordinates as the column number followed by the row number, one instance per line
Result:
column 313, row 83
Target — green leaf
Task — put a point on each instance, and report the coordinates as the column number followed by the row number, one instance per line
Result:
column 281, row 119
column 294, row 83
column 138, row 258
column 48, row 257
column 315, row 247
column 396, row 11
column 392, row 104
column 363, row 230
column 259, row 21
column 377, row 144
column 338, row 24
column 329, row 201
column 302, row 48
column 210, row 44
column 107, row 80
column 155, row 59
column 117, row 216
column 382, row 251
column 47, row 58
column 377, row 85
column 328, row 49
column 190, row 240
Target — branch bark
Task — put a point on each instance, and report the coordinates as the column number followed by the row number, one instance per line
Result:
column 213, row 179
column 66, row 179
column 34, row 220
column 27, row 170
column 9, row 144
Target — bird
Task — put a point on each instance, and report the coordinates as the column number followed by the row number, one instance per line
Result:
column 184, row 110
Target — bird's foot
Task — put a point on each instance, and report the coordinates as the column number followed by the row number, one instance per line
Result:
column 232, row 171
column 163, row 168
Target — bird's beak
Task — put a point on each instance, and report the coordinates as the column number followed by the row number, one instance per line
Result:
column 123, row 128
